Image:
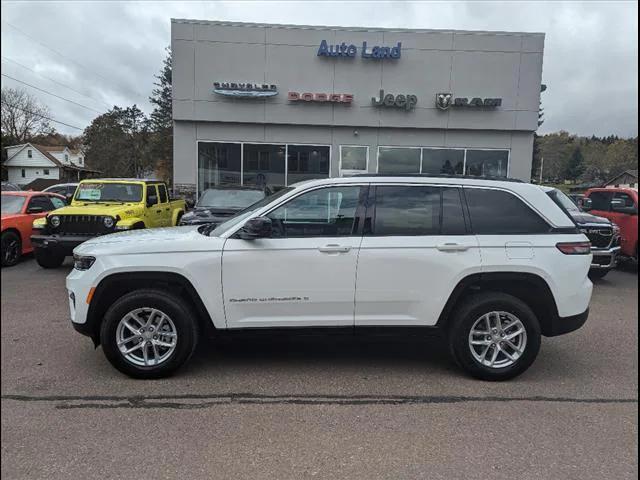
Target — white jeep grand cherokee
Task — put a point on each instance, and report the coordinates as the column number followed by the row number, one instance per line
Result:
column 491, row 265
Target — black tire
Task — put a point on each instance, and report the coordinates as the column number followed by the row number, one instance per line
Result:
column 474, row 308
column 598, row 274
column 11, row 249
column 182, row 317
column 48, row 259
column 178, row 218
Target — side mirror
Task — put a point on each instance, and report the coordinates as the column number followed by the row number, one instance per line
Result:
column 258, row 227
column 35, row 210
column 587, row 204
column 69, row 197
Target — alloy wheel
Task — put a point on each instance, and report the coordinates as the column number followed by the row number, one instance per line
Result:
column 497, row 339
column 146, row 337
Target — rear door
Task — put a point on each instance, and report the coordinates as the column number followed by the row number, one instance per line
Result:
column 415, row 249
column 164, row 205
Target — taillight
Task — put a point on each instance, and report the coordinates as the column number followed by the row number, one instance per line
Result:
column 575, row 248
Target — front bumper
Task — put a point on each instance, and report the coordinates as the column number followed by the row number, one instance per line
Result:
column 605, row 259
column 59, row 244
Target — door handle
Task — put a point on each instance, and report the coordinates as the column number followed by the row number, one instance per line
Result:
column 167, row 209
column 452, row 247
column 334, row 248
column 158, row 211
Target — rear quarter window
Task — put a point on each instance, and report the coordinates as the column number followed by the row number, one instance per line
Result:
column 496, row 212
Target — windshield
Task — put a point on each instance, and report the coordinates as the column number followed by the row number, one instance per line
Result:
column 563, row 201
column 109, row 192
column 229, row 198
column 247, row 212
column 12, row 204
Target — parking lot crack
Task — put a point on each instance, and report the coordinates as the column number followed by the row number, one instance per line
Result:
column 201, row 401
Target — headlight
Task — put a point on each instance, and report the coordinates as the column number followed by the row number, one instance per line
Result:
column 82, row 263
column 108, row 222
column 54, row 221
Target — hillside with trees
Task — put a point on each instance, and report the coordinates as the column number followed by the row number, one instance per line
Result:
column 577, row 159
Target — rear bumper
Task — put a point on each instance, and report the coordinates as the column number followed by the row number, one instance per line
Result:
column 58, row 244
column 562, row 325
column 605, row 259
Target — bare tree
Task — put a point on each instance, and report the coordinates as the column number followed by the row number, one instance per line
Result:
column 23, row 117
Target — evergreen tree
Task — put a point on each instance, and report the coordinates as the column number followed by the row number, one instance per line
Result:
column 575, row 166
column 161, row 122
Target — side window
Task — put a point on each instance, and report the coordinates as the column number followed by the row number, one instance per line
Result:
column 407, row 210
column 494, row 212
column 57, row 202
column 325, row 212
column 152, row 195
column 30, row 153
column 163, row 193
column 42, row 202
column 626, row 198
column 601, row 200
column 452, row 213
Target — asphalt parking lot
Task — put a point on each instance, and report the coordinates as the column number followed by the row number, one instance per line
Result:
column 324, row 408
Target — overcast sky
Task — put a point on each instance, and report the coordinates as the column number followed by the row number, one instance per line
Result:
column 108, row 52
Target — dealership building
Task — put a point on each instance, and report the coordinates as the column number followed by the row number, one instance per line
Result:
column 271, row 105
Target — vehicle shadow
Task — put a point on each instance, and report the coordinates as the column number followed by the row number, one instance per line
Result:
column 322, row 351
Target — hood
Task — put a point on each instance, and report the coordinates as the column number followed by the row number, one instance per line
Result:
column 151, row 240
column 582, row 218
column 89, row 208
column 209, row 215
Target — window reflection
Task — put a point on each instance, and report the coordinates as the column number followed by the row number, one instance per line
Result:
column 442, row 161
column 218, row 164
column 398, row 160
column 305, row 162
column 487, row 163
column 263, row 165
column 325, row 212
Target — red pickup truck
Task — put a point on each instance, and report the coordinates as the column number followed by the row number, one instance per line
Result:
column 620, row 205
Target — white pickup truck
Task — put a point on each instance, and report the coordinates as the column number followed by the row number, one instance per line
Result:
column 491, row 265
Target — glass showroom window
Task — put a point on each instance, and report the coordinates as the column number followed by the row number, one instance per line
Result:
column 218, row 164
column 442, row 161
column 398, row 160
column 487, row 163
column 353, row 159
column 264, row 165
column 305, row 162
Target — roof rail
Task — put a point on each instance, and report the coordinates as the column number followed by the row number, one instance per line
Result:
column 429, row 175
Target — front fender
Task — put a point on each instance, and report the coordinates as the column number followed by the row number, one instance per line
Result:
column 129, row 223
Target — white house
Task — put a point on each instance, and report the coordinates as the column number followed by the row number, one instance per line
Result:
column 28, row 162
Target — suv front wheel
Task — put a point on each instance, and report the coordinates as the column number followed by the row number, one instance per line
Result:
column 148, row 334
column 494, row 336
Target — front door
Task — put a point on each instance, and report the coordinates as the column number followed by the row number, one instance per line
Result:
column 304, row 275
column 415, row 248
column 153, row 210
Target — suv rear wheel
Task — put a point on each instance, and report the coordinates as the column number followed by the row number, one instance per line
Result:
column 494, row 336
column 148, row 334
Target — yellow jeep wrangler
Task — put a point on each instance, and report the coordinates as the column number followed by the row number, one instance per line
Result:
column 100, row 207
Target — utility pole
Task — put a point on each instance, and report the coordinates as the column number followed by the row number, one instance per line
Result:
column 541, row 167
